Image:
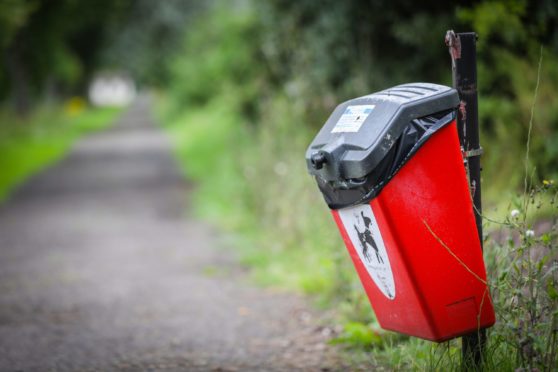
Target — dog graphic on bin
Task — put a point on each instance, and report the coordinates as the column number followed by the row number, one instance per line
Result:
column 365, row 238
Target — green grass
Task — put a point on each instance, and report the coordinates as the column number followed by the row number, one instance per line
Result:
column 29, row 145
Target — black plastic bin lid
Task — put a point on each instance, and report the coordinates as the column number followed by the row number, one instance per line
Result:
column 367, row 139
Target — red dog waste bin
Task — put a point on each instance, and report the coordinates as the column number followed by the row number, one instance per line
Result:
column 389, row 165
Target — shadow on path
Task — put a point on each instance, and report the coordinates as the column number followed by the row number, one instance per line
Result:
column 100, row 270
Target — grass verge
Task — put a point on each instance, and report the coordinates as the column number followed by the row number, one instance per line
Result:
column 29, row 145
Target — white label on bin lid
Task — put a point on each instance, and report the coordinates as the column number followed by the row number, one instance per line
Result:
column 362, row 228
column 352, row 119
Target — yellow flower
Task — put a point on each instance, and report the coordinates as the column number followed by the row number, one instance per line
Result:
column 74, row 106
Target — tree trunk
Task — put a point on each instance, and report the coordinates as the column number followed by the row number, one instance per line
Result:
column 18, row 76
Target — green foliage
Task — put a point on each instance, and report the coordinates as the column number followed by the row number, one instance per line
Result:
column 145, row 35
column 254, row 82
column 13, row 16
column 249, row 174
column 51, row 47
column 509, row 53
column 359, row 334
column 31, row 144
column 219, row 56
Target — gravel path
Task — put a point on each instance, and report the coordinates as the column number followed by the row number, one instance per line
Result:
column 102, row 269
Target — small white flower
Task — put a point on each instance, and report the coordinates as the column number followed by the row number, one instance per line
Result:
column 281, row 169
column 514, row 213
column 529, row 233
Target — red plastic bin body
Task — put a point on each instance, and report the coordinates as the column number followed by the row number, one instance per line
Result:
column 423, row 221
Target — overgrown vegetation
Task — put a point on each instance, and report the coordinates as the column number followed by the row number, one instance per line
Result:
column 523, row 263
column 255, row 81
column 28, row 145
column 52, row 48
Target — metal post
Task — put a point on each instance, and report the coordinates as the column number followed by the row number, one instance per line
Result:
column 463, row 51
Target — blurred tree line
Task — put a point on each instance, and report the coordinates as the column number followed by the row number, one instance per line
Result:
column 314, row 53
column 51, row 48
column 320, row 53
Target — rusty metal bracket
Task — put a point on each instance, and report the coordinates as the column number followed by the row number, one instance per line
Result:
column 473, row 152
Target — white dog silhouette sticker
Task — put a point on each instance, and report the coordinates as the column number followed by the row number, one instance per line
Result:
column 362, row 228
